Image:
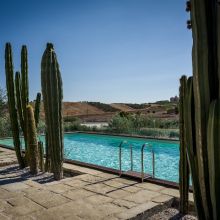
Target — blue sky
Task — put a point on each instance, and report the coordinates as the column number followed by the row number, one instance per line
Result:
column 108, row 50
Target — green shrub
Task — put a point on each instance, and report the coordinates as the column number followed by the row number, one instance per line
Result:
column 120, row 124
column 71, row 119
column 165, row 133
column 5, row 126
column 103, row 106
column 141, row 125
column 137, row 106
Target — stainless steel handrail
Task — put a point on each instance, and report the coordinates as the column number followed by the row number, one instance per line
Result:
column 153, row 163
column 142, row 160
column 120, row 154
column 131, row 155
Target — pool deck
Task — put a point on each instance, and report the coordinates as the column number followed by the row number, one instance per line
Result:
column 92, row 195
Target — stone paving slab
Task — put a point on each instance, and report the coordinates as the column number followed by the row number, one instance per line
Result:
column 142, row 196
column 150, row 186
column 117, row 194
column 98, row 199
column 93, row 195
column 15, row 187
column 132, row 189
column 76, row 183
column 78, row 194
column 7, row 157
column 124, row 203
column 114, row 183
column 22, row 210
column 59, row 188
column 137, row 210
column 99, row 188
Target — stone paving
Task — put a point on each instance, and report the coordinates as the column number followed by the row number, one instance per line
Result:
column 91, row 195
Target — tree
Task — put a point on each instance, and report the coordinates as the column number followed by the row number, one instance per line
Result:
column 3, row 102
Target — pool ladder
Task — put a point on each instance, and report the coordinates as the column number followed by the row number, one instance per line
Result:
column 131, row 172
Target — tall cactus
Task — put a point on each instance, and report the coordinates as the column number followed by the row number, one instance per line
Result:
column 12, row 103
column 37, row 109
column 24, row 91
column 32, row 141
column 48, row 156
column 183, row 167
column 18, row 98
column 41, row 155
column 205, row 24
column 51, row 83
column 189, row 120
column 214, row 156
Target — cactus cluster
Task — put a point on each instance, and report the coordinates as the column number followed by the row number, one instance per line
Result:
column 51, row 83
column 22, row 96
column 201, row 108
column 18, row 100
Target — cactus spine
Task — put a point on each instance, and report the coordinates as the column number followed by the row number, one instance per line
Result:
column 32, row 141
column 12, row 103
column 183, row 167
column 51, row 83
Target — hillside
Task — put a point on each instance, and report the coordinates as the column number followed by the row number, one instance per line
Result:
column 100, row 112
column 122, row 107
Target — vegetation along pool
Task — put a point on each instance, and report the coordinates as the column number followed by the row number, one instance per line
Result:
column 103, row 150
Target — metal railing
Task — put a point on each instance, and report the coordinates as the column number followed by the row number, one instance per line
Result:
column 120, row 154
column 142, row 159
column 131, row 156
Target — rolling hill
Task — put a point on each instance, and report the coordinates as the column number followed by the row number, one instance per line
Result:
column 101, row 112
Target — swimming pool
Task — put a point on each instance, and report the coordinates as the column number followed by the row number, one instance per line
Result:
column 103, row 150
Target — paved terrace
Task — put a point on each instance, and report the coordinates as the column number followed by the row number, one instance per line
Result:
column 91, row 195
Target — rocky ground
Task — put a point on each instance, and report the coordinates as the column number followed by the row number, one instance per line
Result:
column 171, row 214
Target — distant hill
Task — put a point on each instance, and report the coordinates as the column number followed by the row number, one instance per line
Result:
column 122, row 107
column 96, row 111
column 103, row 106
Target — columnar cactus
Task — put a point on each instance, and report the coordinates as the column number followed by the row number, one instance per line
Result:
column 189, row 120
column 12, row 103
column 24, row 92
column 37, row 109
column 32, row 141
column 41, row 155
column 51, row 83
column 204, row 89
column 18, row 98
column 183, row 167
column 214, row 156
column 48, row 156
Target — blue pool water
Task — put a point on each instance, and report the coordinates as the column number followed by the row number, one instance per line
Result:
column 103, row 150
